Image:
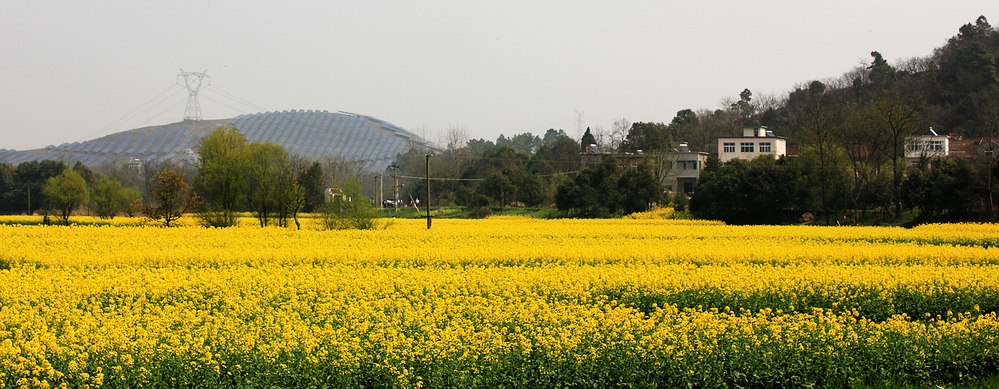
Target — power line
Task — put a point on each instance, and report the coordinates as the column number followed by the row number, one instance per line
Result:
column 224, row 104
column 160, row 98
column 481, row 179
column 528, row 160
column 235, row 98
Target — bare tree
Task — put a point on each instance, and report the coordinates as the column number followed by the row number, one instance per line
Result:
column 819, row 118
column 618, row 133
column 600, row 135
column 339, row 170
column 896, row 116
column 455, row 137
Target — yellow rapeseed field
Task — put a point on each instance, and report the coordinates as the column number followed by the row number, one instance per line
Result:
column 504, row 301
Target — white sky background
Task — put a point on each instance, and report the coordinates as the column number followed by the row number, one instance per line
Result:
column 77, row 70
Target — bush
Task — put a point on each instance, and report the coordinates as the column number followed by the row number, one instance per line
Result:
column 349, row 210
column 343, row 214
column 480, row 213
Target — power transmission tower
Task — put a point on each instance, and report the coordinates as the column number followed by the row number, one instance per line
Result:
column 193, row 110
column 579, row 124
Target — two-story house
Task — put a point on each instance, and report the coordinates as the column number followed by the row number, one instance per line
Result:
column 754, row 142
column 681, row 168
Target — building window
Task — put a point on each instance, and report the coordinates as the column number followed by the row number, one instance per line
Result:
column 936, row 145
column 730, row 147
column 765, row 147
column 746, row 147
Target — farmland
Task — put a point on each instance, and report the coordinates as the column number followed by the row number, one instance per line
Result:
column 504, row 301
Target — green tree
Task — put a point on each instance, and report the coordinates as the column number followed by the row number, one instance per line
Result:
column 65, row 193
column 290, row 195
column 109, row 197
column 222, row 175
column 9, row 189
column 311, row 181
column 266, row 164
column 498, row 187
column 607, row 190
column 525, row 143
column 882, row 74
column 951, row 190
column 760, row 191
column 557, row 155
column 648, row 137
column 685, row 126
column 31, row 176
column 639, row 189
column 552, row 135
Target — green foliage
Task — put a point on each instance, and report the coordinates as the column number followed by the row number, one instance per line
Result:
column 267, row 172
column 349, row 210
column 29, row 177
column 311, row 181
column 761, row 191
column 525, row 143
column 950, row 190
column 607, row 190
column 222, row 175
column 647, row 137
column 65, row 193
column 233, row 173
column 109, row 197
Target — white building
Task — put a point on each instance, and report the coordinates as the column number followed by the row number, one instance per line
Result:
column 923, row 147
column 754, row 142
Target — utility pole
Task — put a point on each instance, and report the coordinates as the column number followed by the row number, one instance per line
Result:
column 989, row 155
column 381, row 191
column 428, row 191
column 395, row 177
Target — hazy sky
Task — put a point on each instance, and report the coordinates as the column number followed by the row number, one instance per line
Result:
column 77, row 70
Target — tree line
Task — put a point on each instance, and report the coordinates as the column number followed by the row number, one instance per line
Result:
column 229, row 176
column 851, row 133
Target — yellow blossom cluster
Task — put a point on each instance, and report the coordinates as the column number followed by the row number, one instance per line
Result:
column 498, row 302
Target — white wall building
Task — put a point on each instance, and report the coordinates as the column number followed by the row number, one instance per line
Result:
column 754, row 142
column 922, row 147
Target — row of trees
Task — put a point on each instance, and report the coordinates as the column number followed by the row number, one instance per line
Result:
column 527, row 170
column 230, row 176
column 776, row 191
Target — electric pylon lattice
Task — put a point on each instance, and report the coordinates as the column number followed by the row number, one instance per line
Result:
column 193, row 83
